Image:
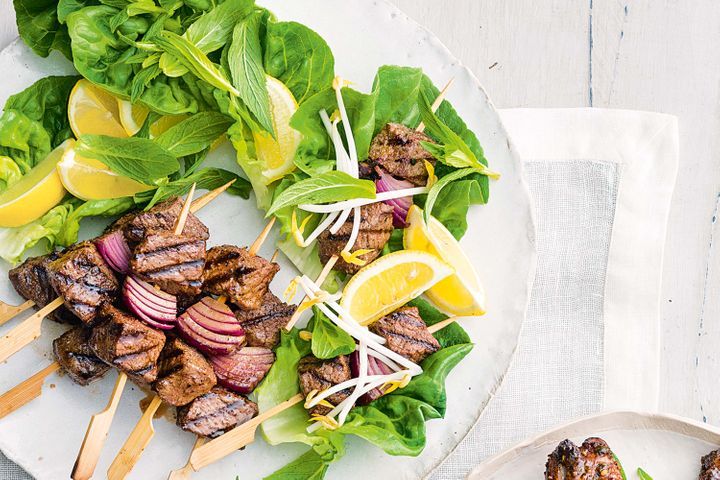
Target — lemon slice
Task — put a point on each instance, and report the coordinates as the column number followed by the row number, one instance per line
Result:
column 132, row 116
column 390, row 282
column 90, row 179
column 93, row 110
column 459, row 294
column 278, row 154
column 34, row 194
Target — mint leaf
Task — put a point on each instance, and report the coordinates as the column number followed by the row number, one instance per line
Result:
column 194, row 134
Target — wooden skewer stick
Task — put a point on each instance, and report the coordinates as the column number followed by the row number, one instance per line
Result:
column 236, row 438
column 8, row 312
column 26, row 391
column 26, row 332
column 143, row 432
column 438, row 101
column 182, row 218
column 319, row 281
column 209, row 197
column 440, row 325
column 185, row 472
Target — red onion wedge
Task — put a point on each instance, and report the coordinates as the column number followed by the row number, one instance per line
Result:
column 115, row 251
column 388, row 183
column 157, row 308
column 375, row 367
column 244, row 369
column 211, row 327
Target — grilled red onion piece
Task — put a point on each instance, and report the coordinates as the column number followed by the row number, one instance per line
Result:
column 388, row 183
column 211, row 327
column 115, row 251
column 375, row 367
column 157, row 308
column 244, row 369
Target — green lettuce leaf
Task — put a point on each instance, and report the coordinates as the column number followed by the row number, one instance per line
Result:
column 9, row 172
column 309, row 466
column 329, row 340
column 40, row 28
column 68, row 232
column 15, row 241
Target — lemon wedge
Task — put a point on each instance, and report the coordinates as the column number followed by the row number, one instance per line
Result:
column 390, row 282
column 459, row 294
column 132, row 116
column 93, row 110
column 34, row 194
column 90, row 179
column 278, row 154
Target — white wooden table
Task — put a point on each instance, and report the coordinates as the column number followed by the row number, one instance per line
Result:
column 659, row 55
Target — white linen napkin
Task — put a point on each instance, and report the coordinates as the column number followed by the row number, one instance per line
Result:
column 601, row 182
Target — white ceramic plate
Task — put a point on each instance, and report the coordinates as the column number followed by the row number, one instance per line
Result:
column 44, row 437
column 665, row 446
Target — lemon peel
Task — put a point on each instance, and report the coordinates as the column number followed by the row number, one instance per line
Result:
column 291, row 289
column 297, row 232
column 325, row 421
column 354, row 257
column 305, row 335
column 311, row 396
column 432, row 178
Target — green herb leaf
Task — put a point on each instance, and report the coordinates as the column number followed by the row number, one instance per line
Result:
column 643, row 474
column 439, row 185
column 329, row 187
column 329, row 340
column 207, row 179
column 309, row 466
column 194, row 134
column 68, row 234
column 138, row 158
column 246, row 68
column 192, row 58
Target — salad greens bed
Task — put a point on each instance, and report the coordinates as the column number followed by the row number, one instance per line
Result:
column 209, row 59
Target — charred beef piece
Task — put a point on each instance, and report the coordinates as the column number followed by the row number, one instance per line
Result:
column 123, row 341
column 84, row 280
column 592, row 460
column 184, row 373
column 317, row 374
column 710, row 466
column 216, row 412
column 397, row 150
column 72, row 352
column 406, row 334
column 236, row 273
column 172, row 262
column 118, row 224
column 31, row 281
column 263, row 325
column 162, row 217
column 376, row 225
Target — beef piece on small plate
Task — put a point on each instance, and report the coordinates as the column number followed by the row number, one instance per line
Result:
column 84, row 280
column 216, row 412
column 162, row 217
column 710, row 466
column 78, row 361
column 123, row 341
column 317, row 374
column 184, row 373
column 406, row 334
column 263, row 325
column 236, row 273
column 592, row 460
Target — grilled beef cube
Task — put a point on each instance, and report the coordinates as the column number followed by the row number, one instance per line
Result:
column 397, row 150
column 31, row 281
column 123, row 341
column 376, row 225
column 184, row 373
column 406, row 334
column 236, row 273
column 84, row 280
column 592, row 460
column 317, row 374
column 172, row 262
column 72, row 352
column 710, row 466
column 162, row 217
column 118, row 224
column 263, row 325
column 216, row 412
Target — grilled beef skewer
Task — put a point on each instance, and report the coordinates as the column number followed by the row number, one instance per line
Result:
column 216, row 412
column 263, row 325
column 592, row 460
column 72, row 351
column 406, row 334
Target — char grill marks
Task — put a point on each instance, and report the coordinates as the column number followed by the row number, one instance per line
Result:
column 216, row 412
column 84, row 280
column 242, row 276
column 184, row 373
column 72, row 352
column 397, row 150
column 376, row 225
column 162, row 217
column 317, row 374
column 710, row 466
column 172, row 262
column 123, row 341
column 263, row 325
column 31, row 281
column 592, row 460
column 406, row 334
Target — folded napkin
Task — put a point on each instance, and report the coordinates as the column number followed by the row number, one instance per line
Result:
column 601, row 182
